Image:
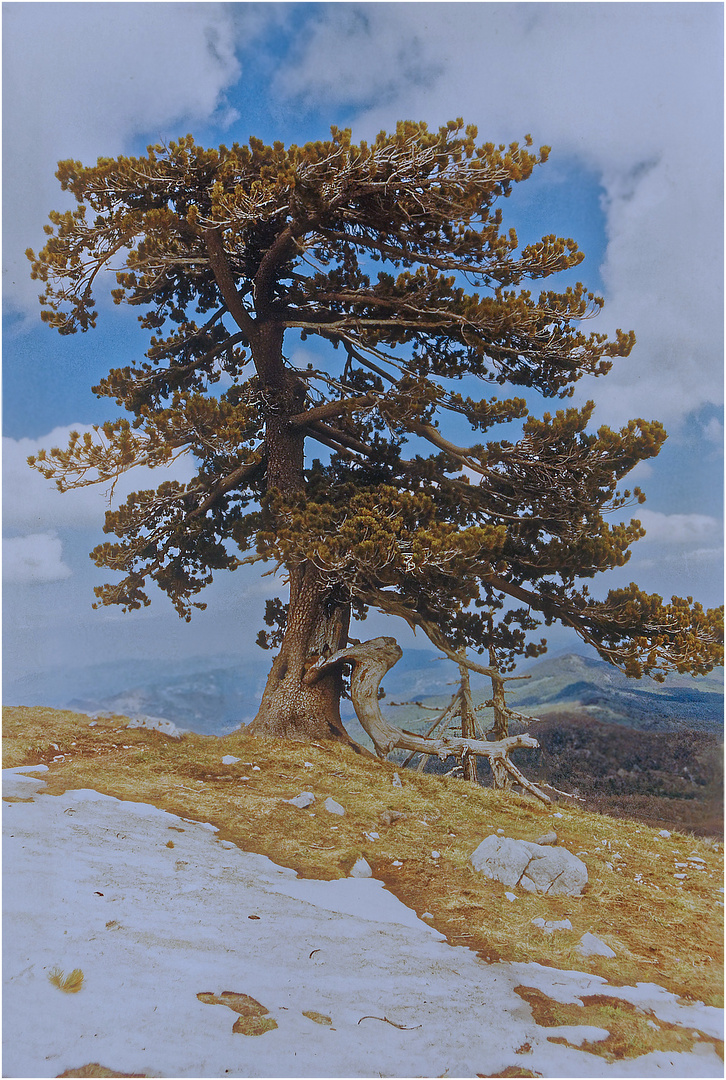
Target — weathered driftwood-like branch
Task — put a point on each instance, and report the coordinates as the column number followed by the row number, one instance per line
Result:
column 371, row 660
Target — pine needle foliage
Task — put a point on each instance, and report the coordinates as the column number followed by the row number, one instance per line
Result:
column 392, row 258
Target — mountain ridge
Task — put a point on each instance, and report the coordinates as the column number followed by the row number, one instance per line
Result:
column 214, row 695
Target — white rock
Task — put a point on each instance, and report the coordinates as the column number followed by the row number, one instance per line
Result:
column 303, row 800
column 308, row 764
column 427, row 915
column 665, row 834
column 537, row 869
column 229, row 760
column 589, row 945
column 552, row 925
column 396, row 862
column 361, row 868
column 510, row 896
column 334, row 807
column 256, row 768
column 396, row 780
column 156, row 723
column 548, row 839
column 435, row 854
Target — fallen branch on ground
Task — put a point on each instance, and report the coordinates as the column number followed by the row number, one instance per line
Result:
column 371, row 660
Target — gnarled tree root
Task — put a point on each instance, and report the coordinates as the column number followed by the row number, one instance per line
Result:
column 370, row 661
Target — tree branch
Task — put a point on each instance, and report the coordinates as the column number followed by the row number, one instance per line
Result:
column 225, row 283
column 331, row 408
column 371, row 660
column 243, row 472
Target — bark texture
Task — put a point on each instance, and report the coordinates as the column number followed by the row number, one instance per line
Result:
column 292, row 707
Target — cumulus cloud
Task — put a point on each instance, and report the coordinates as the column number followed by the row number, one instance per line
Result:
column 35, row 559
column 631, row 91
column 81, row 79
column 33, row 503
column 689, row 530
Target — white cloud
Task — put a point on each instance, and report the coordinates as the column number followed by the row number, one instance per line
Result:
column 678, row 529
column 35, row 559
column 713, row 432
column 33, row 503
column 632, row 91
column 80, row 79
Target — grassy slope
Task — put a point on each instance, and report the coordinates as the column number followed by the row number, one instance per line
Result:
column 664, row 929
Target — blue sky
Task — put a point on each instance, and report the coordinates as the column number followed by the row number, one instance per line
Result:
column 629, row 97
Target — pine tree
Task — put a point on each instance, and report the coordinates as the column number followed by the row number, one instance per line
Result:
column 392, row 257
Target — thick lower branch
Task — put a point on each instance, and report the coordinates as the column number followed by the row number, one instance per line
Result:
column 371, row 660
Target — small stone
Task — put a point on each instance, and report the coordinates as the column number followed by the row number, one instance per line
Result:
column 303, row 800
column 93, row 723
column 308, row 764
column 435, row 854
column 679, row 875
column 558, row 814
column 156, row 723
column 589, row 945
column 548, row 839
column 334, row 807
column 372, row 836
column 256, row 768
column 510, row 896
column 396, row 780
column 361, row 869
column 229, row 760
column 665, row 834
column 427, row 915
column 550, row 926
column 397, row 862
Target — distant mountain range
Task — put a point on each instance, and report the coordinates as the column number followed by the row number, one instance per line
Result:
column 214, row 695
column 600, row 691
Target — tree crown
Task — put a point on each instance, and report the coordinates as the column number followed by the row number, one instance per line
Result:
column 393, row 255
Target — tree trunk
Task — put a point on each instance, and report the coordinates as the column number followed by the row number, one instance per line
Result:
column 468, row 725
column 316, row 627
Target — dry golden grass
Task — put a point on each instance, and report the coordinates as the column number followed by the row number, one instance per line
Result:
column 94, row 1069
column 664, row 929
column 252, row 1016
column 69, row 984
column 632, row 1032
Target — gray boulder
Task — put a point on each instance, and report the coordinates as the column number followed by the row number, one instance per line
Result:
column 589, row 945
column 534, row 867
column 302, row 801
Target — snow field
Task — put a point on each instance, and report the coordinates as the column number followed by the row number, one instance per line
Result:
column 91, row 883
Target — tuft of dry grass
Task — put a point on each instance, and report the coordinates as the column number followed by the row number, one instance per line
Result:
column 632, row 895
column 69, row 984
column 94, row 1069
column 253, row 1018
